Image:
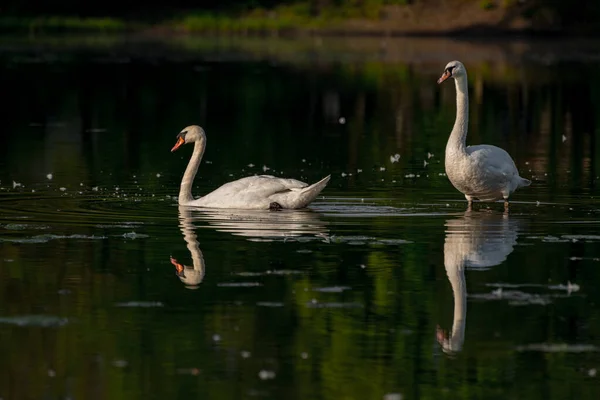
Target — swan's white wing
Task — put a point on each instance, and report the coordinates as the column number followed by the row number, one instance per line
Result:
column 250, row 192
column 493, row 159
column 259, row 185
column 492, row 172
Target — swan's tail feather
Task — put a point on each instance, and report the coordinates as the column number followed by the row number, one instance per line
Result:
column 303, row 197
column 524, row 182
column 317, row 186
column 309, row 193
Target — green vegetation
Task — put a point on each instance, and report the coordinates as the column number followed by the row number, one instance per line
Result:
column 285, row 16
column 61, row 23
column 255, row 21
column 303, row 15
column 487, row 4
column 298, row 15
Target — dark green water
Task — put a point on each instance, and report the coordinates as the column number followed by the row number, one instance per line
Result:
column 384, row 289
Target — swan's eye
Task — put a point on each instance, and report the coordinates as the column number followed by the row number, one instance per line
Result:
column 450, row 69
column 182, row 134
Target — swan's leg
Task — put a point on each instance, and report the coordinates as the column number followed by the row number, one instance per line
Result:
column 469, row 202
column 274, row 206
column 506, row 204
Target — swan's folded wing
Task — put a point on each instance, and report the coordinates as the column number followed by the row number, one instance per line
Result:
column 493, row 160
column 261, row 186
column 258, row 192
column 287, row 183
column 267, row 185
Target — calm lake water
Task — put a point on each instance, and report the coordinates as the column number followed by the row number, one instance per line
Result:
column 384, row 289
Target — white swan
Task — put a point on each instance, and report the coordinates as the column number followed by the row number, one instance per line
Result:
column 481, row 172
column 475, row 241
column 260, row 192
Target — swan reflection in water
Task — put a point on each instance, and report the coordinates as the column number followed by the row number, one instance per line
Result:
column 190, row 276
column 254, row 224
column 476, row 240
column 264, row 225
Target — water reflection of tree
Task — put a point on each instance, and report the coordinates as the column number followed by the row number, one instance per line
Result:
column 264, row 114
column 354, row 352
column 388, row 108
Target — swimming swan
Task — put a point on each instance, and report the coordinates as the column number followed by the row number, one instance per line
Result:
column 481, row 172
column 254, row 192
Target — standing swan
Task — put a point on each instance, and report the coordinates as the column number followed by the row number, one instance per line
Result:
column 484, row 172
column 260, row 192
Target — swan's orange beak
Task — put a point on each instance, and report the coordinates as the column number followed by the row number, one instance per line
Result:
column 178, row 267
column 444, row 76
column 179, row 143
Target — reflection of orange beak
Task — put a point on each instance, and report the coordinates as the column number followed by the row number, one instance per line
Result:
column 178, row 267
column 444, row 76
column 440, row 333
column 179, row 143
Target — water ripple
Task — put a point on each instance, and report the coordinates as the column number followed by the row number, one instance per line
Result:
column 45, row 321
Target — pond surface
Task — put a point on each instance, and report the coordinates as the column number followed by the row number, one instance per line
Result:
column 386, row 288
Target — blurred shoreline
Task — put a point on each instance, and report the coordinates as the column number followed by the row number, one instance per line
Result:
column 422, row 18
column 120, row 48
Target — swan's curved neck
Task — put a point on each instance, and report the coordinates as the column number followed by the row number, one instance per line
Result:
column 185, row 191
column 458, row 138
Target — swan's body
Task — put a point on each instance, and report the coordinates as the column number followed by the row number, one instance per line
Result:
column 483, row 172
column 261, row 192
